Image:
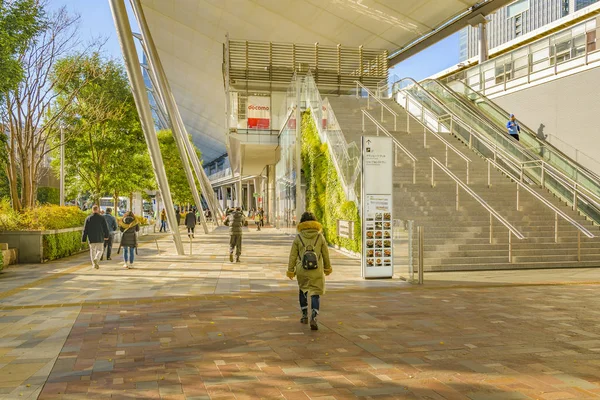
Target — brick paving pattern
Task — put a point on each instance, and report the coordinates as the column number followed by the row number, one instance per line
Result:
column 201, row 328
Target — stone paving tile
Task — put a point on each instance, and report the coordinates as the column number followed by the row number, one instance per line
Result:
column 258, row 358
column 200, row 327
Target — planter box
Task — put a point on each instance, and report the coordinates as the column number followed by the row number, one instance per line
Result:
column 30, row 244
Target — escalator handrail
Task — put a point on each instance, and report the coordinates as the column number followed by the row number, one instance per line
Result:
column 486, row 141
column 523, row 150
column 549, row 204
column 450, row 114
column 531, row 133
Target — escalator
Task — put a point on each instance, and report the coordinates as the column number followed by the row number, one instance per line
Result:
column 481, row 123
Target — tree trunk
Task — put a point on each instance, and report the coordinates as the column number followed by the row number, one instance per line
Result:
column 130, row 201
column 116, row 202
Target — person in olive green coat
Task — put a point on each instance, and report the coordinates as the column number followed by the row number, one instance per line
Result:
column 311, row 282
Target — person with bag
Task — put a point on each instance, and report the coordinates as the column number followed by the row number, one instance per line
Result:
column 309, row 262
column 236, row 221
column 129, row 227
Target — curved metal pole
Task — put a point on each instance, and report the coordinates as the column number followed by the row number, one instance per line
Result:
column 164, row 89
column 142, row 103
column 183, row 155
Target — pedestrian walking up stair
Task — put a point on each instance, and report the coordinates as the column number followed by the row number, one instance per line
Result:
column 467, row 236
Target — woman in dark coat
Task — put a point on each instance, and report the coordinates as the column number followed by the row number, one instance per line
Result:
column 190, row 222
column 129, row 226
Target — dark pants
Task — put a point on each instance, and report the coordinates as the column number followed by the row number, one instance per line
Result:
column 163, row 226
column 108, row 245
column 235, row 243
column 190, row 230
column 516, row 137
column 315, row 301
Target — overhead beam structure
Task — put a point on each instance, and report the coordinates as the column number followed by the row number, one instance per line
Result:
column 448, row 28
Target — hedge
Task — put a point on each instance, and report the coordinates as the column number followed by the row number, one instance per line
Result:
column 63, row 244
column 42, row 218
column 324, row 193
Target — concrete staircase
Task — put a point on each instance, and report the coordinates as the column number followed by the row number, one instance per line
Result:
column 460, row 240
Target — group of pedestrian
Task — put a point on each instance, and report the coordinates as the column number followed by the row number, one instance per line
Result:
column 99, row 231
column 309, row 260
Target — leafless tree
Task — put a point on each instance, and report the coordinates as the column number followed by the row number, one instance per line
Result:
column 30, row 113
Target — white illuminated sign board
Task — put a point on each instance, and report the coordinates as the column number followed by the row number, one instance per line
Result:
column 377, row 207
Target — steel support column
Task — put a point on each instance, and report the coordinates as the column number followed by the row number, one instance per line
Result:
column 161, row 85
column 136, row 79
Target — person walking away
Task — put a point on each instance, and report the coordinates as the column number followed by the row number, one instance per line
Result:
column 309, row 262
column 163, row 220
column 95, row 231
column 112, row 227
column 129, row 226
column 177, row 218
column 513, row 127
column 235, row 221
column 190, row 223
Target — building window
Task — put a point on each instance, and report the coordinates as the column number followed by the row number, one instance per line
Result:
column 516, row 8
column 519, row 25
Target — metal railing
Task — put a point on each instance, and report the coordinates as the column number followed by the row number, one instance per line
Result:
column 549, row 56
column 397, row 144
column 534, row 145
column 557, row 211
column 501, row 146
column 576, row 154
column 512, row 231
column 384, row 106
column 345, row 156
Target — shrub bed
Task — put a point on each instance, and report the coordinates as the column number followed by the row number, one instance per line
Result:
column 63, row 244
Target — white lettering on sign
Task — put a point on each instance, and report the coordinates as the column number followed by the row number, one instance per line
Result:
column 259, row 112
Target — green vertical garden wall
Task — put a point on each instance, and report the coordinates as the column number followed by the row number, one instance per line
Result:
column 324, row 194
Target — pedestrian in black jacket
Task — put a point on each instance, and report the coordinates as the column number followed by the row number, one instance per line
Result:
column 190, row 223
column 95, row 231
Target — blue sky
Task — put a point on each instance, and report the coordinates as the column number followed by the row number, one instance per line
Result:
column 96, row 20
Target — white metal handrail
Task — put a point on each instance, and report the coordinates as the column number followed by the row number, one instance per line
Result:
column 552, row 138
column 397, row 144
column 383, row 105
column 334, row 138
column 567, row 182
column 558, row 212
column 531, row 133
column 518, row 165
column 493, row 213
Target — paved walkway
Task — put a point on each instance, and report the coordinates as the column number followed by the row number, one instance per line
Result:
column 198, row 327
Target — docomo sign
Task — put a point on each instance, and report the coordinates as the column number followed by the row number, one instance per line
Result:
column 259, row 112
